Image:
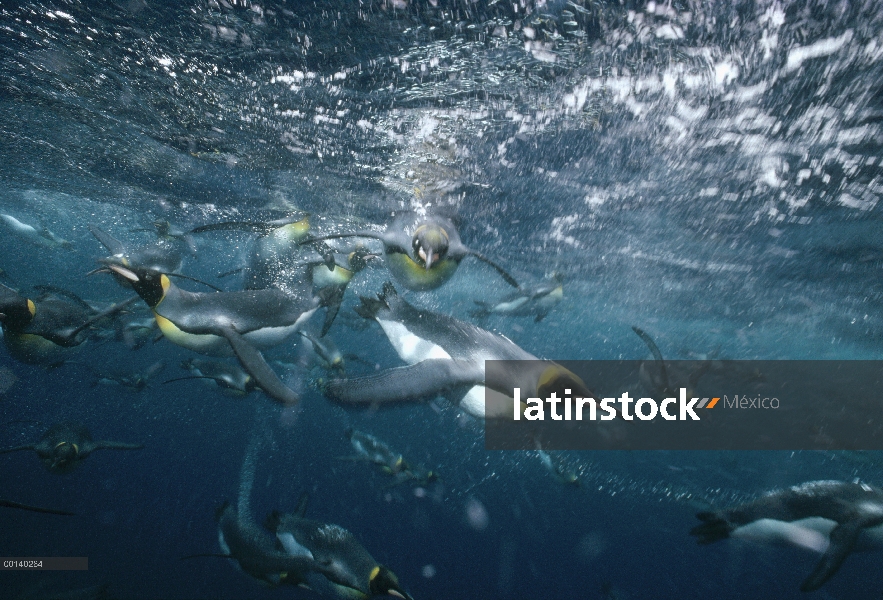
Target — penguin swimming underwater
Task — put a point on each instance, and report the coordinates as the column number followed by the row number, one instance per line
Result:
column 225, row 323
column 66, row 444
column 558, row 469
column 832, row 518
column 422, row 252
column 259, row 554
column 42, row 237
column 227, row 376
column 535, row 301
column 273, row 255
column 445, row 354
column 132, row 380
column 655, row 376
column 162, row 256
column 330, row 272
column 370, row 449
column 350, row 571
column 39, row 331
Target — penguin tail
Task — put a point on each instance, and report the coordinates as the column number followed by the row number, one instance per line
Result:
column 714, row 528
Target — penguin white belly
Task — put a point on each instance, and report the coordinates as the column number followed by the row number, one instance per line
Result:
column 272, row 336
column 292, row 546
column 212, row 345
column 23, row 229
column 812, row 534
column 410, row 347
column 512, row 306
column 216, row 345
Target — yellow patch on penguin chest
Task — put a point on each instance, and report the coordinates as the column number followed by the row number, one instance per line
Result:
column 33, row 349
column 418, row 278
column 209, row 344
column 323, row 276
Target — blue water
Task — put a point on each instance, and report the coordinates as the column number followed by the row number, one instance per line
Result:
column 707, row 171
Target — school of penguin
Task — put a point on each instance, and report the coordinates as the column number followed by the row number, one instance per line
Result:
column 289, row 274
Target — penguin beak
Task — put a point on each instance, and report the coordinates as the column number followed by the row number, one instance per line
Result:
column 124, row 272
column 427, row 258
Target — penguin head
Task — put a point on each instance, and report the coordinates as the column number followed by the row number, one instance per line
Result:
column 149, row 284
column 430, row 244
column 383, row 581
column 358, row 259
column 64, row 456
column 15, row 311
column 556, row 378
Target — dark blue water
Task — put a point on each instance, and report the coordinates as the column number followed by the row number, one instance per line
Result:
column 707, row 171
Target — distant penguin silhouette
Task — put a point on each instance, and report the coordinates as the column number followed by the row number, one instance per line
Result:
column 422, row 251
column 228, row 376
column 65, row 445
column 19, row 505
column 535, row 300
column 39, row 237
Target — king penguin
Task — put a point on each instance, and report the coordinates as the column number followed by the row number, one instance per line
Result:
column 258, row 554
column 448, row 355
column 273, row 255
column 832, row 518
column 225, row 323
column 534, row 300
column 65, row 445
column 422, row 251
column 42, row 330
column 351, row 572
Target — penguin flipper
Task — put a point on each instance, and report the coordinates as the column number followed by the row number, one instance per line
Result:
column 251, row 226
column 503, row 272
column 18, row 449
column 117, row 446
column 70, row 337
column 113, row 245
column 253, row 362
column 335, row 236
column 51, row 511
column 231, row 272
column 332, row 301
column 843, row 538
column 405, row 384
column 654, row 350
